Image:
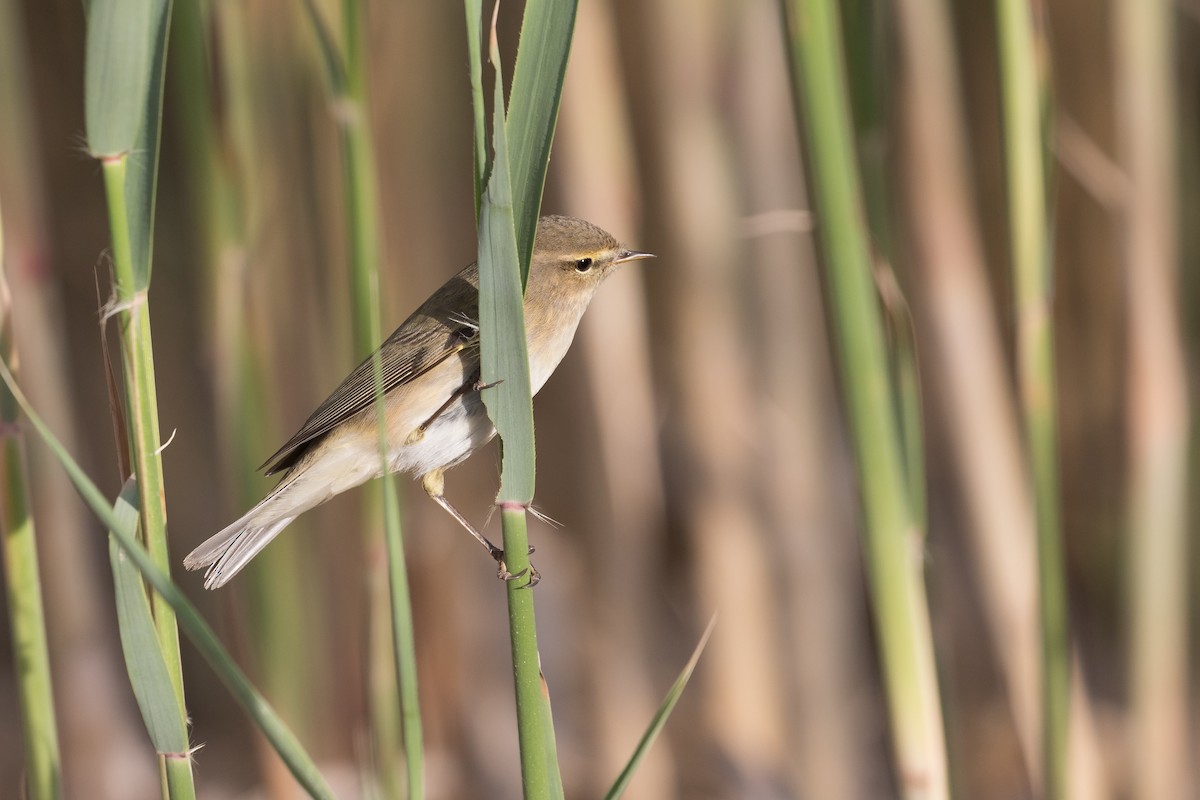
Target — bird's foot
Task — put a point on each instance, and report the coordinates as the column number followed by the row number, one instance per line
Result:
column 503, row 574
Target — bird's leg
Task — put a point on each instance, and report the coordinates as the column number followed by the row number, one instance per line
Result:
column 434, row 484
column 419, row 433
column 474, row 385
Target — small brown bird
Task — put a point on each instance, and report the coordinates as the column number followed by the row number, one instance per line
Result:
column 434, row 414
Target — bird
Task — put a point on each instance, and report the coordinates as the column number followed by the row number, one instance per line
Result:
column 434, row 414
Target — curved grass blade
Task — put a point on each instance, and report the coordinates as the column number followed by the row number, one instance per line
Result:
column 660, row 718
column 260, row 711
column 504, row 354
column 148, row 672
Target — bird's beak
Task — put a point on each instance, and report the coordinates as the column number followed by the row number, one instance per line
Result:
column 631, row 255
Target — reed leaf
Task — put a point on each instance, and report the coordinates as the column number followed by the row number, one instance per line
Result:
column 117, row 73
column 660, row 717
column 504, row 363
column 504, row 357
column 148, row 672
column 546, row 32
column 474, row 13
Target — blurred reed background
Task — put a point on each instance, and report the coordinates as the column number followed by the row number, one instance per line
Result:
column 693, row 444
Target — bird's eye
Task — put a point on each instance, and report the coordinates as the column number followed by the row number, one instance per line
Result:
column 583, row 264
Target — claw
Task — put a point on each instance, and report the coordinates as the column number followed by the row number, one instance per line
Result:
column 503, row 574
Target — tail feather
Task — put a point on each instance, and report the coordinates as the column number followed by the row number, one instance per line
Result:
column 305, row 486
column 227, row 552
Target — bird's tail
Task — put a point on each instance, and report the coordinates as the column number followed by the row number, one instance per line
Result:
column 228, row 551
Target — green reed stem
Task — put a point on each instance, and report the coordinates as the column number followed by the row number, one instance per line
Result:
column 538, row 770
column 348, row 80
column 145, row 442
column 892, row 540
column 18, row 551
column 1023, row 91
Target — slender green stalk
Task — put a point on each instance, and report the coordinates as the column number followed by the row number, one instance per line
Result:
column 362, row 191
column 1023, row 91
column 18, row 551
column 404, row 643
column 527, row 669
column 145, row 442
column 197, row 630
column 508, row 214
column 142, row 397
column 403, row 637
column 504, row 362
column 347, row 77
column 362, row 195
column 892, row 539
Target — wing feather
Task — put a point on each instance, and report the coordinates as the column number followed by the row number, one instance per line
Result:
column 443, row 327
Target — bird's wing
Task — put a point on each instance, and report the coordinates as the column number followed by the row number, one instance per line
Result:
column 412, row 350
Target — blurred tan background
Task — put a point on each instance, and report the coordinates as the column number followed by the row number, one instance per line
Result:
column 691, row 444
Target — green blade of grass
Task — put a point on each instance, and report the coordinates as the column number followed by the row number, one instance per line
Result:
column 116, row 73
column 504, row 358
column 503, row 267
column 257, row 708
column 505, row 363
column 546, row 32
column 141, row 182
column 474, row 13
column 148, row 673
column 661, row 716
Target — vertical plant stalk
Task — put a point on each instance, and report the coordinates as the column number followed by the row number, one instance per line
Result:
column 1024, row 91
column 124, row 68
column 1159, row 419
column 142, row 398
column 362, row 191
column 145, row 445
column 504, row 362
column 892, row 539
column 18, row 551
column 403, row 637
column 347, row 76
column 534, row 727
